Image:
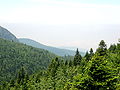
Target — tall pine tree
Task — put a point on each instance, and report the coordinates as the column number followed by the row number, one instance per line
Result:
column 77, row 58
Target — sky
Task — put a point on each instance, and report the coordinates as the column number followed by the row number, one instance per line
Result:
column 63, row 23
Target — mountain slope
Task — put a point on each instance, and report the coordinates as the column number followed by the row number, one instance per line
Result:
column 57, row 51
column 5, row 34
column 15, row 55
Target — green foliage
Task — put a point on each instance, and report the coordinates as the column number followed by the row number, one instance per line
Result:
column 5, row 34
column 94, row 71
column 91, row 52
column 102, row 48
column 57, row 51
column 77, row 58
column 99, row 74
column 112, row 48
column 89, row 55
column 15, row 55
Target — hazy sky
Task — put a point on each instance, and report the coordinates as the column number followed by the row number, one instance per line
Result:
column 68, row 23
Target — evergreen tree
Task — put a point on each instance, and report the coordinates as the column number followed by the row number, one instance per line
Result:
column 102, row 74
column 102, row 49
column 112, row 48
column 77, row 58
column 87, row 56
column 66, row 62
column 91, row 52
column 53, row 67
column 70, row 63
column 101, row 71
column 22, row 79
column 52, row 70
column 21, row 76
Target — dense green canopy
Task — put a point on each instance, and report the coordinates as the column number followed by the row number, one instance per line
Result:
column 14, row 55
column 98, row 70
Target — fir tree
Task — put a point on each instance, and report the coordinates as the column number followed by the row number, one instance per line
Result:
column 66, row 62
column 87, row 56
column 102, row 48
column 52, row 70
column 70, row 63
column 91, row 52
column 101, row 71
column 77, row 58
column 112, row 48
column 21, row 76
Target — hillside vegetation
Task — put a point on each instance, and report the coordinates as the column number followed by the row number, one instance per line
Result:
column 5, row 34
column 98, row 70
column 57, row 51
column 15, row 55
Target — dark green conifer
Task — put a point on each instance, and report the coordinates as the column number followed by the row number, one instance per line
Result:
column 22, row 76
column 102, row 49
column 77, row 58
column 101, row 71
column 87, row 56
column 91, row 52
column 70, row 63
column 112, row 48
column 52, row 70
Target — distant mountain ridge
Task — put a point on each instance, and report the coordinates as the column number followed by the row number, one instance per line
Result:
column 5, row 34
column 57, row 51
column 73, row 48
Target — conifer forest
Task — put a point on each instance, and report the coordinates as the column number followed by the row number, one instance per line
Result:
column 24, row 67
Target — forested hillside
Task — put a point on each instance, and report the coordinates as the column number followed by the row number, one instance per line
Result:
column 5, row 34
column 57, row 51
column 99, row 70
column 15, row 55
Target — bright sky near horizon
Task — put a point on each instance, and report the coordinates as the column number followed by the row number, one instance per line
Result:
column 68, row 23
